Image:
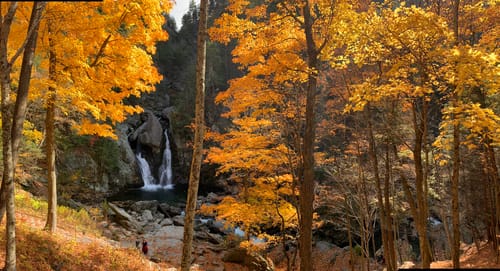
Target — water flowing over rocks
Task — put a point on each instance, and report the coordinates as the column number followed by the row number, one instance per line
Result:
column 150, row 143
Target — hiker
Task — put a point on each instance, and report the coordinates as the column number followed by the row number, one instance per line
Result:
column 137, row 243
column 145, row 247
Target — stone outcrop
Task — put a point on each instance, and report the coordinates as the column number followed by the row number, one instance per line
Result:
column 123, row 218
column 149, row 133
column 253, row 261
column 127, row 166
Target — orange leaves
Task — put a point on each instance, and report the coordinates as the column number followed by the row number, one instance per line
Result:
column 103, row 55
column 89, row 128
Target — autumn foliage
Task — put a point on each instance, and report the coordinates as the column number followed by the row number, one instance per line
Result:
column 395, row 81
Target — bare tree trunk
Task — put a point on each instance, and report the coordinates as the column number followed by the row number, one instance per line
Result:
column 306, row 196
column 194, row 176
column 50, row 144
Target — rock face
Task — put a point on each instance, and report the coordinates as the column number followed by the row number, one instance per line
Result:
column 92, row 168
column 127, row 166
column 149, row 133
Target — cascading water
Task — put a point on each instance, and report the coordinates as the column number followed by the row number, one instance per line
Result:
column 165, row 171
column 147, row 178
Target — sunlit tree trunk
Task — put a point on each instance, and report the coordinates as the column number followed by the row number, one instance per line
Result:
column 456, row 162
column 50, row 144
column 6, row 103
column 7, row 177
column 15, row 133
column 455, row 196
column 194, row 176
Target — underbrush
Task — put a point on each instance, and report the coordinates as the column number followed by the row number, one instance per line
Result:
column 40, row 250
column 81, row 220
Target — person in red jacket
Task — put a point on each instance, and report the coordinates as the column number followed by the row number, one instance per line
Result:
column 144, row 247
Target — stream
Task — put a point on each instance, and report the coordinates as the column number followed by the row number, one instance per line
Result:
column 172, row 196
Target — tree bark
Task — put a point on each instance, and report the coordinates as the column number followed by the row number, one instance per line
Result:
column 18, row 117
column 389, row 251
column 306, row 196
column 419, row 123
column 6, row 103
column 455, row 196
column 456, row 161
column 383, row 216
column 194, row 176
column 50, row 145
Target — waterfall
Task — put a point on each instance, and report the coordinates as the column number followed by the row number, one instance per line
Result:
column 165, row 171
column 147, row 178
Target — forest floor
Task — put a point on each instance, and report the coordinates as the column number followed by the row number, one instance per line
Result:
column 472, row 258
column 80, row 247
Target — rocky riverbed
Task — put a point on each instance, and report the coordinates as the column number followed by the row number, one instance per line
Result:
column 162, row 225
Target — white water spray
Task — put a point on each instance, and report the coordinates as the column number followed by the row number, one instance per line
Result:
column 147, row 178
column 165, row 171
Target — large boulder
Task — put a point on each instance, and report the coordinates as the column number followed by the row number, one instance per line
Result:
column 123, row 218
column 252, row 260
column 140, row 206
column 150, row 132
column 168, row 210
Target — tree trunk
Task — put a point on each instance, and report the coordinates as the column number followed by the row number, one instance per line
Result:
column 16, row 132
column 6, row 103
column 349, row 235
column 455, row 196
column 50, row 144
column 419, row 127
column 384, row 224
column 306, row 196
column 456, row 162
column 389, row 251
column 194, row 176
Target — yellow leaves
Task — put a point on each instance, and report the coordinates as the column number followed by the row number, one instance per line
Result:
column 227, row 27
column 469, row 67
column 480, row 125
column 237, row 6
column 103, row 56
column 89, row 128
column 31, row 133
